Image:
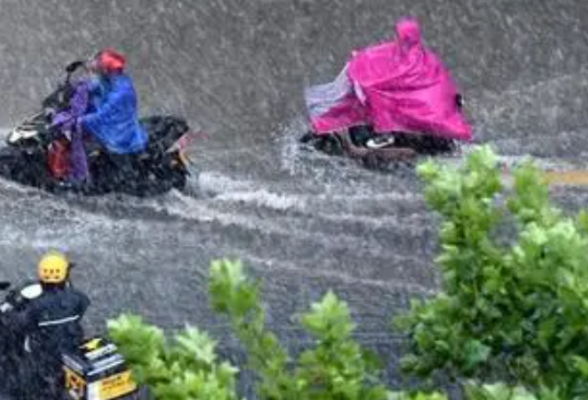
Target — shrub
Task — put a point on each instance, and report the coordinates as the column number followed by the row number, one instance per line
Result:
column 336, row 368
column 514, row 311
column 186, row 368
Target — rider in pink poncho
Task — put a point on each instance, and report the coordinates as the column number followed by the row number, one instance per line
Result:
column 406, row 88
column 397, row 86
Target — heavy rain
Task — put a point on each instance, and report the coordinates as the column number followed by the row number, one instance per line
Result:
column 303, row 221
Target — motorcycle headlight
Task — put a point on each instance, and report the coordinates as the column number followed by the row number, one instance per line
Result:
column 24, row 132
column 31, row 291
column 13, row 137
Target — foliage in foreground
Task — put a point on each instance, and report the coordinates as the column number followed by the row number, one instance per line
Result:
column 336, row 367
column 186, row 368
column 514, row 311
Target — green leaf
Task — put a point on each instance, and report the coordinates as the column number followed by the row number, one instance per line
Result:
column 187, row 370
column 514, row 303
column 198, row 345
column 581, row 365
column 498, row 391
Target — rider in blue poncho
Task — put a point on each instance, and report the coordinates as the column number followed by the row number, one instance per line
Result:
column 112, row 116
column 104, row 108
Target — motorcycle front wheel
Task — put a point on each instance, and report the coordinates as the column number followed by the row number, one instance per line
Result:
column 172, row 173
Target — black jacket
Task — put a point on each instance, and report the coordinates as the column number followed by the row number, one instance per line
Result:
column 52, row 322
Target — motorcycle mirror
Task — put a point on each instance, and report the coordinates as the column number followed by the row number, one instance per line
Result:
column 4, row 285
column 71, row 67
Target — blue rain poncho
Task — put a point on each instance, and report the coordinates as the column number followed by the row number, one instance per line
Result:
column 113, row 117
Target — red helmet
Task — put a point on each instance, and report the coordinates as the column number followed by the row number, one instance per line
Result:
column 110, row 60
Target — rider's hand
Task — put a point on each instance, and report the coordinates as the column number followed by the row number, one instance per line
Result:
column 50, row 113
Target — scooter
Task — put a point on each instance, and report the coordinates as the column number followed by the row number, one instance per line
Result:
column 36, row 152
column 96, row 371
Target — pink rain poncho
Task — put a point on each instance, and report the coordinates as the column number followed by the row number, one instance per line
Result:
column 399, row 86
column 334, row 106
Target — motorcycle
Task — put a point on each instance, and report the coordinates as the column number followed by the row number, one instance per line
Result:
column 35, row 150
column 378, row 113
column 96, row 371
column 376, row 150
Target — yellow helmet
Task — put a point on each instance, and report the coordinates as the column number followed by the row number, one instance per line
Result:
column 53, row 267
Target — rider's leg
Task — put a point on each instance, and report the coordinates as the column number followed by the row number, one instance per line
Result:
column 80, row 172
column 41, row 375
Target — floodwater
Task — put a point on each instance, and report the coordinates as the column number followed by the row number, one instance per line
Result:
column 303, row 222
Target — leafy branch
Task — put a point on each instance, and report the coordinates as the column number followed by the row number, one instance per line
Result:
column 515, row 312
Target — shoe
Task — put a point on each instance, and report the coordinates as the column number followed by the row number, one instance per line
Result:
column 380, row 142
column 73, row 185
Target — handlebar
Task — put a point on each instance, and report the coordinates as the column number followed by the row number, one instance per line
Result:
column 75, row 65
column 55, row 101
